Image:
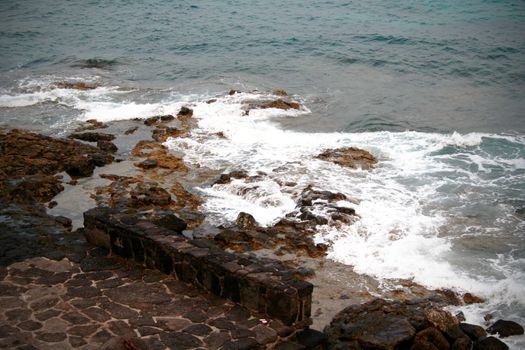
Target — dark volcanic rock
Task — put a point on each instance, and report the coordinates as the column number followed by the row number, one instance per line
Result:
column 185, row 112
column 92, row 136
column 107, row 146
column 158, row 119
column 505, row 328
column 350, row 157
column 432, row 336
column 227, row 178
column 473, row 331
column 246, row 221
column 167, row 219
column 382, row 324
column 490, row 343
column 27, row 189
column 28, row 162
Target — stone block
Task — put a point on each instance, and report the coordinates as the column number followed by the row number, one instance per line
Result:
column 260, row 285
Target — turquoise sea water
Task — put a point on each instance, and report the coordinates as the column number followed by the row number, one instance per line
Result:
column 435, row 89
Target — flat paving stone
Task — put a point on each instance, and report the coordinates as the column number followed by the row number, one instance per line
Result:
column 75, row 318
column 29, row 325
column 96, row 314
column 51, row 337
column 77, row 306
column 180, row 340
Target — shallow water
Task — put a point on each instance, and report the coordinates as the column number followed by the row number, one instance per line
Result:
column 434, row 89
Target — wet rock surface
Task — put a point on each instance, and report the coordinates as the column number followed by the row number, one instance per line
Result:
column 29, row 163
column 79, row 85
column 350, row 157
column 505, row 328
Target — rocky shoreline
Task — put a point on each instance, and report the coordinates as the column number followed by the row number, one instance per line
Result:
column 59, row 291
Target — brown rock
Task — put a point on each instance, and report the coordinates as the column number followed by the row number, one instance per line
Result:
column 441, row 319
column 28, row 162
column 74, row 85
column 473, row 331
column 469, row 298
column 350, row 157
column 159, row 119
column 185, row 113
column 433, row 336
column 279, row 92
column 462, row 344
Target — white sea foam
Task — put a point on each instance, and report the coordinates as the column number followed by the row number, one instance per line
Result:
column 407, row 205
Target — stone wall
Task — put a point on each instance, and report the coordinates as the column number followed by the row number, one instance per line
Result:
column 262, row 286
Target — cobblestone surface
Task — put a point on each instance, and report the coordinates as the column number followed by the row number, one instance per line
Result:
column 61, row 304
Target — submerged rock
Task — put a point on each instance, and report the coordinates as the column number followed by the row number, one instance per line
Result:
column 350, row 157
column 74, row 85
column 277, row 104
column 91, row 124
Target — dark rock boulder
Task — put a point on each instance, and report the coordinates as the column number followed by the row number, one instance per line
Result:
column 185, row 112
column 469, row 298
column 473, row 331
column 490, row 343
column 246, row 221
column 81, row 167
column 350, row 157
column 107, row 146
column 382, row 324
column 432, row 336
column 505, row 328
column 227, row 178
column 92, row 136
column 462, row 344
column 167, row 219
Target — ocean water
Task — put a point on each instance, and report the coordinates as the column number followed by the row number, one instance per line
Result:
column 434, row 89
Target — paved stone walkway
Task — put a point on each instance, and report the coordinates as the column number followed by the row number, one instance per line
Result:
column 50, row 304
